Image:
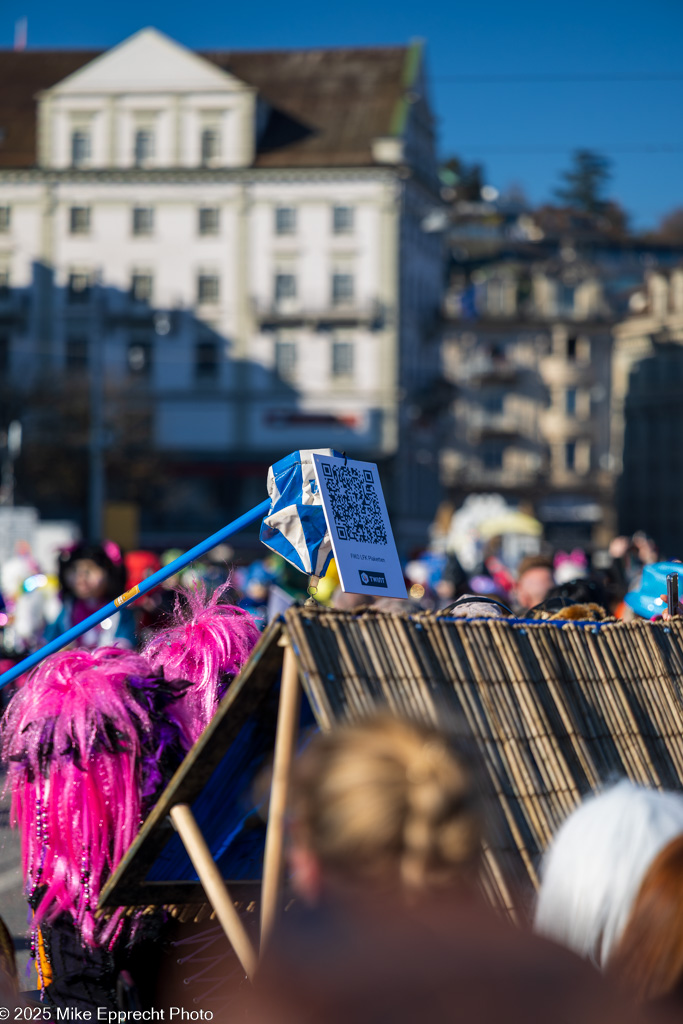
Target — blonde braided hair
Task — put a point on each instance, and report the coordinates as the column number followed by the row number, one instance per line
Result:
column 388, row 801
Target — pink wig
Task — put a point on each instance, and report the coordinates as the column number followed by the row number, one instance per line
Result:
column 207, row 644
column 84, row 739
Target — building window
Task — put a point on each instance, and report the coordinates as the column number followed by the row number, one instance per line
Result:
column 342, row 358
column 210, row 146
column 570, row 402
column 140, row 357
column 206, row 360
column 79, row 220
column 285, row 220
column 143, row 146
column 492, row 457
column 571, row 349
column 209, row 220
column 285, row 359
column 4, row 353
column 492, row 401
column 79, row 287
column 570, row 456
column 80, row 147
column 5, row 219
column 143, row 220
column 5, row 288
column 285, row 287
column 565, row 298
column 342, row 289
column 342, row 220
column 141, row 287
column 76, row 354
column 208, row 288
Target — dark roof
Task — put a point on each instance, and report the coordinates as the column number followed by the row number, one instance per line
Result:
column 328, row 105
column 344, row 97
column 22, row 75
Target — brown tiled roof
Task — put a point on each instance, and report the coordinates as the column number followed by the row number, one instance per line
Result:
column 344, row 98
column 328, row 104
column 22, row 75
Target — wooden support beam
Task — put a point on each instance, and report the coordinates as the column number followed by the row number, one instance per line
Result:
column 214, row 886
column 285, row 749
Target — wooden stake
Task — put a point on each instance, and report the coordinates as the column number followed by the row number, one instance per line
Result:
column 285, row 747
column 214, row 886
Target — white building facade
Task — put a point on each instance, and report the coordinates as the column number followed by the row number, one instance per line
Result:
column 254, row 273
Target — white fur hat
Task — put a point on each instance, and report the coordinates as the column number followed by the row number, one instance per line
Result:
column 594, row 867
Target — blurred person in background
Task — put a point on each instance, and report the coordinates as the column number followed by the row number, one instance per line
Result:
column 255, row 582
column 595, row 865
column 90, row 576
column 385, row 805
column 534, row 579
column 34, row 606
column 15, row 570
column 649, row 599
column 569, row 566
column 486, row 586
column 386, row 847
column 453, row 582
column 214, row 567
column 492, row 565
column 630, row 555
column 154, row 608
column 343, row 602
column 648, row 960
column 477, row 606
column 31, row 601
column 580, row 599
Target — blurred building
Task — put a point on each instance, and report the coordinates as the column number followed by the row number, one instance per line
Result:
column 647, row 397
column 532, row 309
column 528, row 346
column 234, row 243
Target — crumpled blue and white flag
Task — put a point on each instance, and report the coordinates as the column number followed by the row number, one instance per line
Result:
column 295, row 527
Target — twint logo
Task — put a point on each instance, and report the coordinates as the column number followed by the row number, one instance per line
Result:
column 372, row 579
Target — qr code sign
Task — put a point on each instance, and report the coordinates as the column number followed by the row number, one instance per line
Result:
column 354, row 504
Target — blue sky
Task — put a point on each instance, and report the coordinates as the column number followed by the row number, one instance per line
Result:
column 523, row 131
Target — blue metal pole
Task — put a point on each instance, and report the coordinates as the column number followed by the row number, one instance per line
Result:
column 120, row 602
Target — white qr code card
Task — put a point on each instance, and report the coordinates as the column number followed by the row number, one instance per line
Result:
column 356, row 516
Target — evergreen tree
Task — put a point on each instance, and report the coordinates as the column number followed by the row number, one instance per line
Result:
column 585, row 181
column 463, row 180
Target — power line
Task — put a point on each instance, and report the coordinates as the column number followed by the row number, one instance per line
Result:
column 626, row 76
column 532, row 148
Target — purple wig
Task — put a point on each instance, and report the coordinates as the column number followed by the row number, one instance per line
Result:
column 207, row 644
column 87, row 739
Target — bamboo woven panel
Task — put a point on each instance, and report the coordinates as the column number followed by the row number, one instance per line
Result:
column 553, row 711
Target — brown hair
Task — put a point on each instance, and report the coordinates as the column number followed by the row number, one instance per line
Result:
column 387, row 801
column 649, row 957
column 534, row 562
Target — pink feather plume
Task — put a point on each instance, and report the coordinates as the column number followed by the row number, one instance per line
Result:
column 73, row 738
column 207, row 644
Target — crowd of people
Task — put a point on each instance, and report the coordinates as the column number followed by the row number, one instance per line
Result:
column 387, row 824
column 39, row 602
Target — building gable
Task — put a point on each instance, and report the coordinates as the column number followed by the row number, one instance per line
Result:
column 148, row 103
column 147, row 62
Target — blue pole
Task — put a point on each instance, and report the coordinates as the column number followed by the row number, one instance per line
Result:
column 120, row 602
